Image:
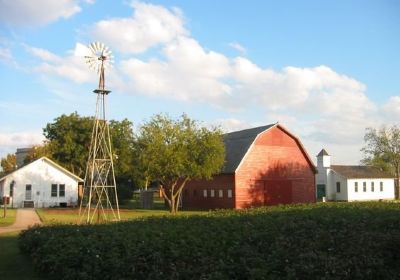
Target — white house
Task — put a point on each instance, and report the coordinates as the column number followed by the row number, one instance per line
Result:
column 351, row 182
column 41, row 183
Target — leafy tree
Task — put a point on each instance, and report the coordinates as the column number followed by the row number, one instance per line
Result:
column 9, row 163
column 382, row 149
column 173, row 152
column 68, row 142
column 38, row 151
column 69, row 139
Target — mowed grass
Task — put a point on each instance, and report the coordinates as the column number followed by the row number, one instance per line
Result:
column 51, row 216
column 9, row 219
column 14, row 265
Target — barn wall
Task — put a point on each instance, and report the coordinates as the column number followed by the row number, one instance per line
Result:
column 274, row 159
column 193, row 194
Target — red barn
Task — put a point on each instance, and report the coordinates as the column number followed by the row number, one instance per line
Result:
column 265, row 165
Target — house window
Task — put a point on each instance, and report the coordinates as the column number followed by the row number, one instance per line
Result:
column 61, row 191
column 372, row 187
column 221, row 193
column 11, row 190
column 204, row 193
column 381, row 186
column 229, row 193
column 337, row 186
column 194, row 192
column 53, row 190
column 212, row 193
column 355, row 186
column 364, row 186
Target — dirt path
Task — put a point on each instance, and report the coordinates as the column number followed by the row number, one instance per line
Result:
column 25, row 218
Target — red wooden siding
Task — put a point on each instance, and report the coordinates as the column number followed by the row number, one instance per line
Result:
column 193, row 197
column 275, row 170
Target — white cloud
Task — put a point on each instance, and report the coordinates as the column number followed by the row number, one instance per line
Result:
column 150, row 25
column 9, row 142
column 5, row 54
column 391, row 110
column 71, row 66
column 238, row 47
column 38, row 12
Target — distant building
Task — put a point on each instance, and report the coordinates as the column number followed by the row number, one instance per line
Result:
column 21, row 155
column 265, row 165
column 41, row 183
column 351, row 182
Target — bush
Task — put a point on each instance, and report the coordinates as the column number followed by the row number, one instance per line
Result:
column 324, row 241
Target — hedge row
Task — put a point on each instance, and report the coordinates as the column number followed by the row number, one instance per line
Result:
column 323, row 241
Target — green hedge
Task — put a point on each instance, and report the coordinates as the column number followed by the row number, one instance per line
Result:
column 321, row 241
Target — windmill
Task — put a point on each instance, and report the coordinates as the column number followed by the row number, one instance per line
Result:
column 100, row 197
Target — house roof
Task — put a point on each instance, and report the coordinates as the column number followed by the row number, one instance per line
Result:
column 360, row 172
column 238, row 143
column 50, row 162
column 323, row 152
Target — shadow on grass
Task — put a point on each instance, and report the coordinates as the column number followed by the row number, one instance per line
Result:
column 14, row 265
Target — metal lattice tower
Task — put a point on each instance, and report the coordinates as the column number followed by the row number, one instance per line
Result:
column 100, row 199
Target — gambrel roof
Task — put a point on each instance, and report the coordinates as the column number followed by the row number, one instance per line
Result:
column 237, row 144
column 360, row 172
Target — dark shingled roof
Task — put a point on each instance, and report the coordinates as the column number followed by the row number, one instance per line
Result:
column 360, row 172
column 323, row 152
column 237, row 144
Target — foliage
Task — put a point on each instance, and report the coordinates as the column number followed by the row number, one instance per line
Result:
column 326, row 241
column 382, row 149
column 175, row 151
column 9, row 163
column 68, row 142
column 38, row 151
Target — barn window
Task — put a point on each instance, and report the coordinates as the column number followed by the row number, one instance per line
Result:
column 53, row 190
column 337, row 186
column 372, row 187
column 229, row 193
column 221, row 193
column 381, row 186
column 61, row 191
column 364, row 186
column 204, row 193
column 212, row 193
column 356, row 186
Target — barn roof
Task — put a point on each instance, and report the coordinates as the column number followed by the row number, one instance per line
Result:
column 237, row 143
column 323, row 152
column 50, row 162
column 360, row 172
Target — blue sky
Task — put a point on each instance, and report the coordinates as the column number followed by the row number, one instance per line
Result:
column 324, row 69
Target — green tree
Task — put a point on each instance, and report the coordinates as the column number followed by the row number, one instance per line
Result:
column 8, row 163
column 382, row 149
column 68, row 140
column 173, row 152
column 38, row 151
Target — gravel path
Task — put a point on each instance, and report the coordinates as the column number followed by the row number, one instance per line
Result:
column 26, row 217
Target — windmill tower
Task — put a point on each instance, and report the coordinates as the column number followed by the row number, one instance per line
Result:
column 100, row 199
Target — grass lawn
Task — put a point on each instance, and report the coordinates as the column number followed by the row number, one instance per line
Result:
column 14, row 265
column 51, row 216
column 9, row 219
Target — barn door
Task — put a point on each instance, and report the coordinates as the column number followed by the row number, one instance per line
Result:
column 28, row 192
column 278, row 192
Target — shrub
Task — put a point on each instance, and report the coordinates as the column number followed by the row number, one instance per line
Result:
column 324, row 241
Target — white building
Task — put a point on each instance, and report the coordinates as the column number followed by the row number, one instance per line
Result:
column 41, row 183
column 351, row 182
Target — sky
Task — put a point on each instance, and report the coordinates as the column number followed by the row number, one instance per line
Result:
column 326, row 70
